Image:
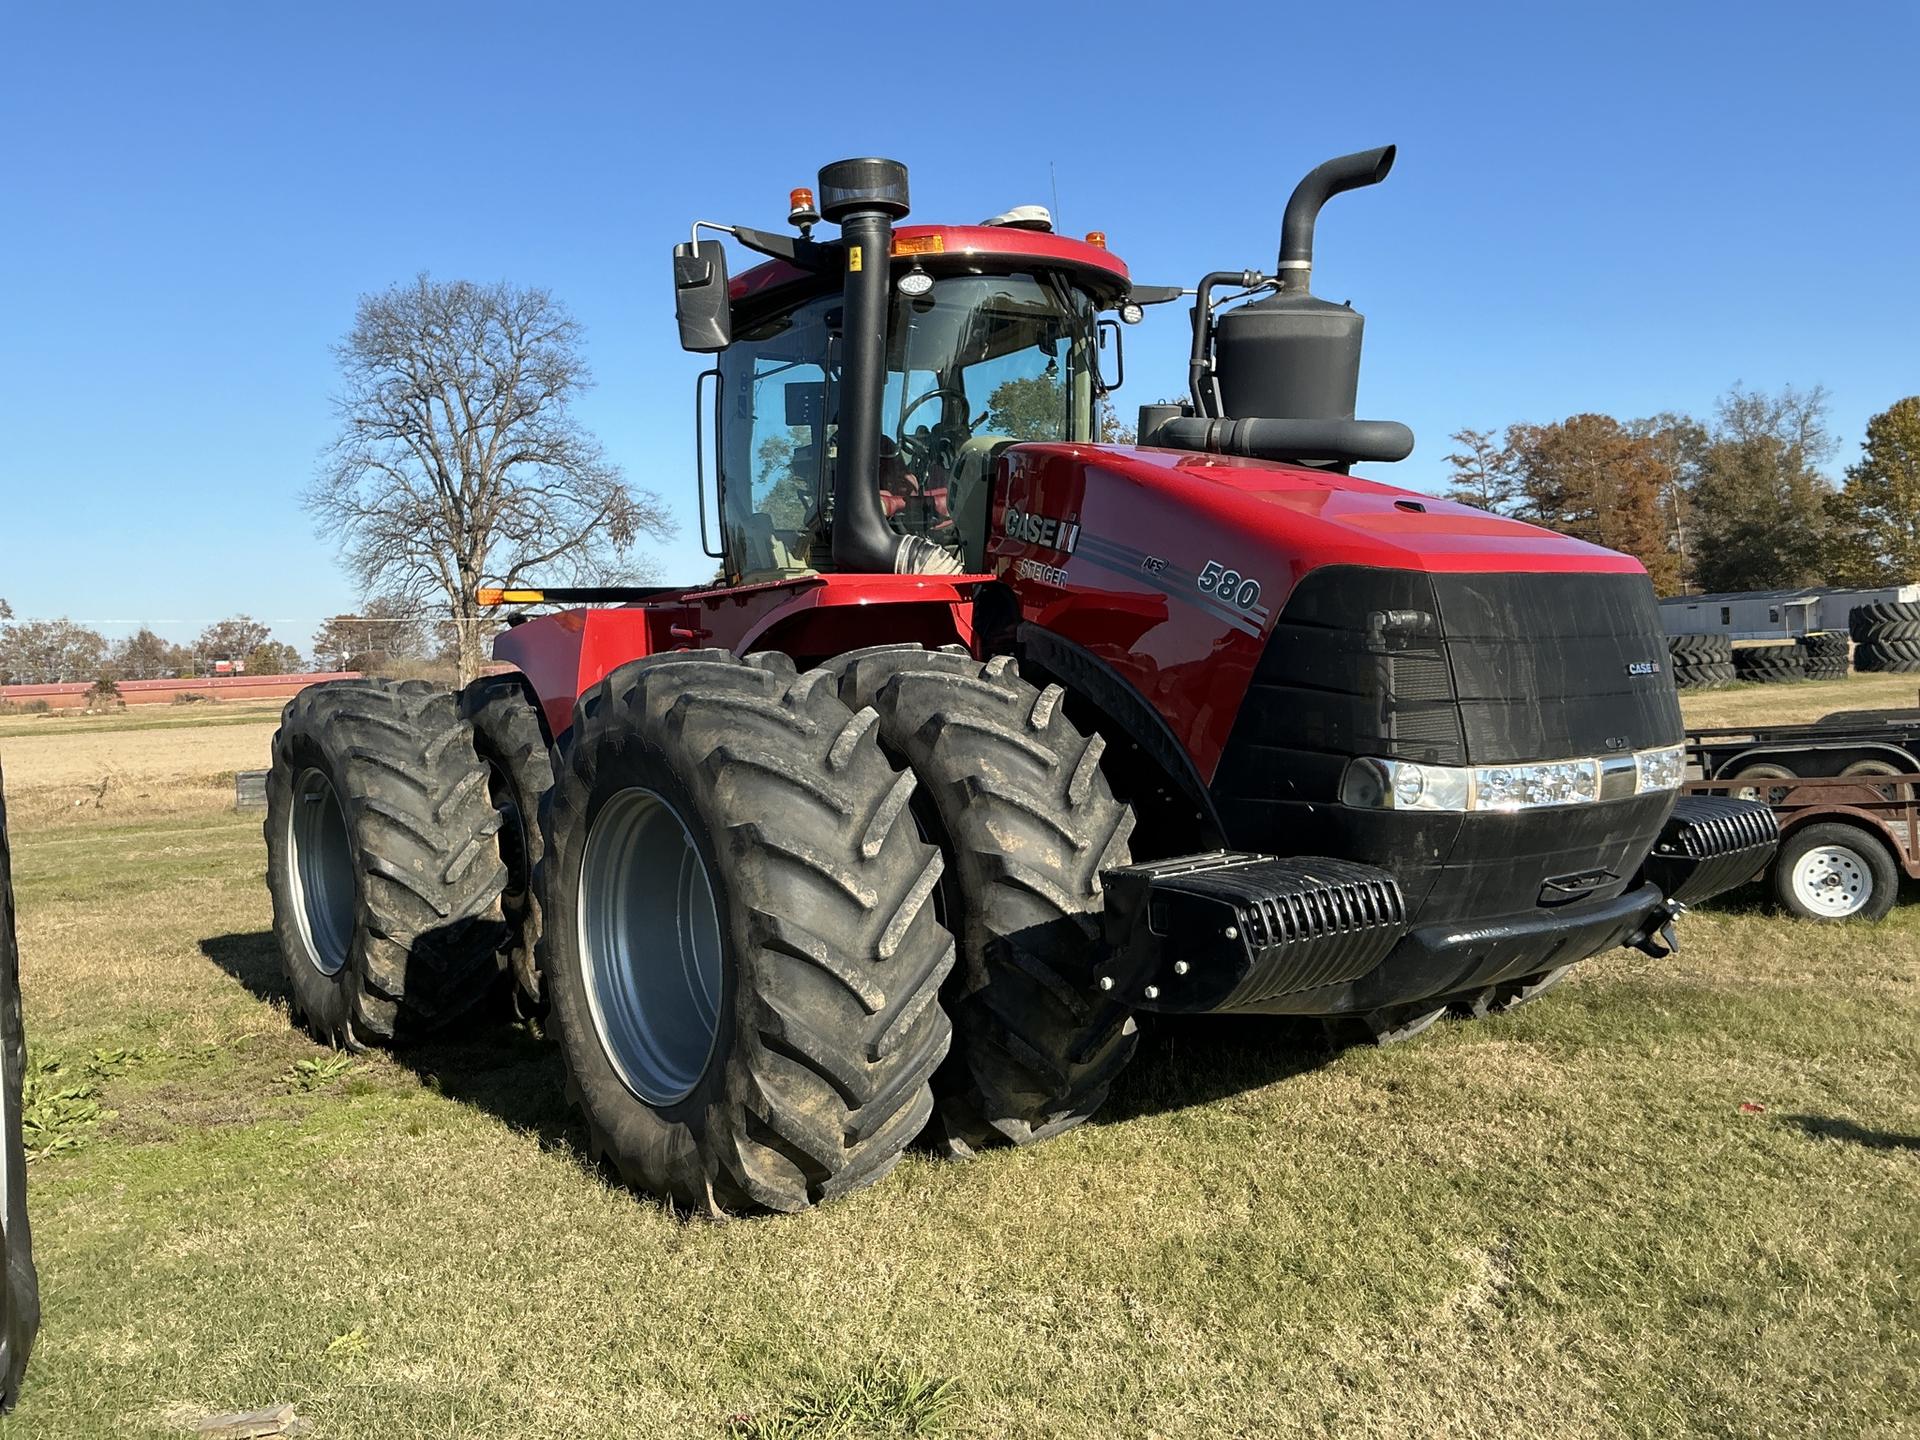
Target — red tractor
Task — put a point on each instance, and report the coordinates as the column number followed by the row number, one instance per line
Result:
column 990, row 736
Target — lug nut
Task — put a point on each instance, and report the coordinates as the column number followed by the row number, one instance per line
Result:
column 1106, row 982
column 1152, row 992
column 1180, row 967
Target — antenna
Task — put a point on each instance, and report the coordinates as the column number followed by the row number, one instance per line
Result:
column 1054, row 181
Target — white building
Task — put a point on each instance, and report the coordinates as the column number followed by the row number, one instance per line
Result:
column 1772, row 614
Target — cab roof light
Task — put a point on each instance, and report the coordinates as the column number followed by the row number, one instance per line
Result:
column 1097, row 239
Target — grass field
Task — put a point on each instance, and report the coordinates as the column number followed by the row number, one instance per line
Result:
column 1674, row 1198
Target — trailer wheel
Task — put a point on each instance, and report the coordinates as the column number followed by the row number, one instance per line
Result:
column 1835, row 872
column 508, row 737
column 1014, row 794
column 741, row 951
column 381, row 860
column 1748, row 779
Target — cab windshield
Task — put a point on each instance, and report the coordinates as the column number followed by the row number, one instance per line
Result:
column 977, row 363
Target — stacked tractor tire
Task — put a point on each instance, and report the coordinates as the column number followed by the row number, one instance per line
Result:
column 1825, row 654
column 1700, row 662
column 1886, row 637
column 1770, row 664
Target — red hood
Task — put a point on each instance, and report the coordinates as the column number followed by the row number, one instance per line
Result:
column 1344, row 519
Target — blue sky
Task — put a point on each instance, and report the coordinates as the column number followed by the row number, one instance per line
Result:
column 1622, row 209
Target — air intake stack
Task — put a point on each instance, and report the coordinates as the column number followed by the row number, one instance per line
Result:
column 1277, row 378
column 1294, row 356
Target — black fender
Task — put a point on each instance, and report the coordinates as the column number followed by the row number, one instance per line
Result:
column 1147, row 766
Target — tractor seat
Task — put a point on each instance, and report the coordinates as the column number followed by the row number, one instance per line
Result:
column 767, row 555
column 969, row 490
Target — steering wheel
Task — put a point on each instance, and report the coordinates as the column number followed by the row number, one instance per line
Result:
column 916, row 451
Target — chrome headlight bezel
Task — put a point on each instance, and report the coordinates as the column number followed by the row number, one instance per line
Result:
column 1371, row 783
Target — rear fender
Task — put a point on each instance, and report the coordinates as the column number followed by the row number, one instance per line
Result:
column 1829, row 757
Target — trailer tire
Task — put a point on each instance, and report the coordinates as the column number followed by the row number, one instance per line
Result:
column 779, row 1054
column 508, row 737
column 1764, row 794
column 1013, row 791
column 1834, row 872
column 381, row 861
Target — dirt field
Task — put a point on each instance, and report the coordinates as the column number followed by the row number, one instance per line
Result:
column 1673, row 1199
column 64, row 768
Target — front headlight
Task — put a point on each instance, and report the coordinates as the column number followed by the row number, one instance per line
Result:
column 1661, row 769
column 1375, row 784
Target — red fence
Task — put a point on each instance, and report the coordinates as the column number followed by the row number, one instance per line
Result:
column 73, row 696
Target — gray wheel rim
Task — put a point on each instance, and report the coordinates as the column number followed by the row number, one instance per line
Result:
column 321, row 872
column 1833, row 881
column 649, row 937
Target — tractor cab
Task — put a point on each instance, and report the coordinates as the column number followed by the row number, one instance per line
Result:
column 860, row 407
column 974, row 363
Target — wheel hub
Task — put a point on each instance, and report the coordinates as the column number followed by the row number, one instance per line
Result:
column 322, row 872
column 1833, row 881
column 650, row 942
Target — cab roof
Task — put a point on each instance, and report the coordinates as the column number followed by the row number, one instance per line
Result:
column 937, row 246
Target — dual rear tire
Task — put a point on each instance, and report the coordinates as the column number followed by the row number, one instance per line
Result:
column 382, row 861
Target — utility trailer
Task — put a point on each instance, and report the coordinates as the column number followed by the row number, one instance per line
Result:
column 1845, row 743
column 992, row 736
column 1845, row 842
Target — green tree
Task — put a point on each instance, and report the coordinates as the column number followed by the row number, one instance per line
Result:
column 1482, row 473
column 1033, row 407
column 143, row 655
column 1759, row 500
column 273, row 657
column 232, row 639
column 1588, row 477
column 1875, row 537
column 46, row 652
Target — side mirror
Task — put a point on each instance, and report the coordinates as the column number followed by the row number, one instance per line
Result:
column 1109, row 333
column 700, row 300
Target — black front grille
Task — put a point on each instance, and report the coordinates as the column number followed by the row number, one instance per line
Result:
column 1451, row 670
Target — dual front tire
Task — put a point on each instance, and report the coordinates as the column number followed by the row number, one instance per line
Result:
column 741, row 948
column 778, row 1013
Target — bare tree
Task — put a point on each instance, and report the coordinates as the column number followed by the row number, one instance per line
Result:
column 459, row 462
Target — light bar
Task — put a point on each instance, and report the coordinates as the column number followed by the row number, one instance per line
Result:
column 1374, row 784
column 491, row 595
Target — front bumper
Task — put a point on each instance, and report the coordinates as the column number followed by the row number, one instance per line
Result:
column 1259, row 934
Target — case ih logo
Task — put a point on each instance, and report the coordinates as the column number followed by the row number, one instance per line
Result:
column 1044, row 530
column 1643, row 667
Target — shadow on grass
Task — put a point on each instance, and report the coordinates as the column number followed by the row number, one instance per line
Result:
column 1185, row 1061
column 512, row 1074
column 482, row 1061
column 1832, row 1127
